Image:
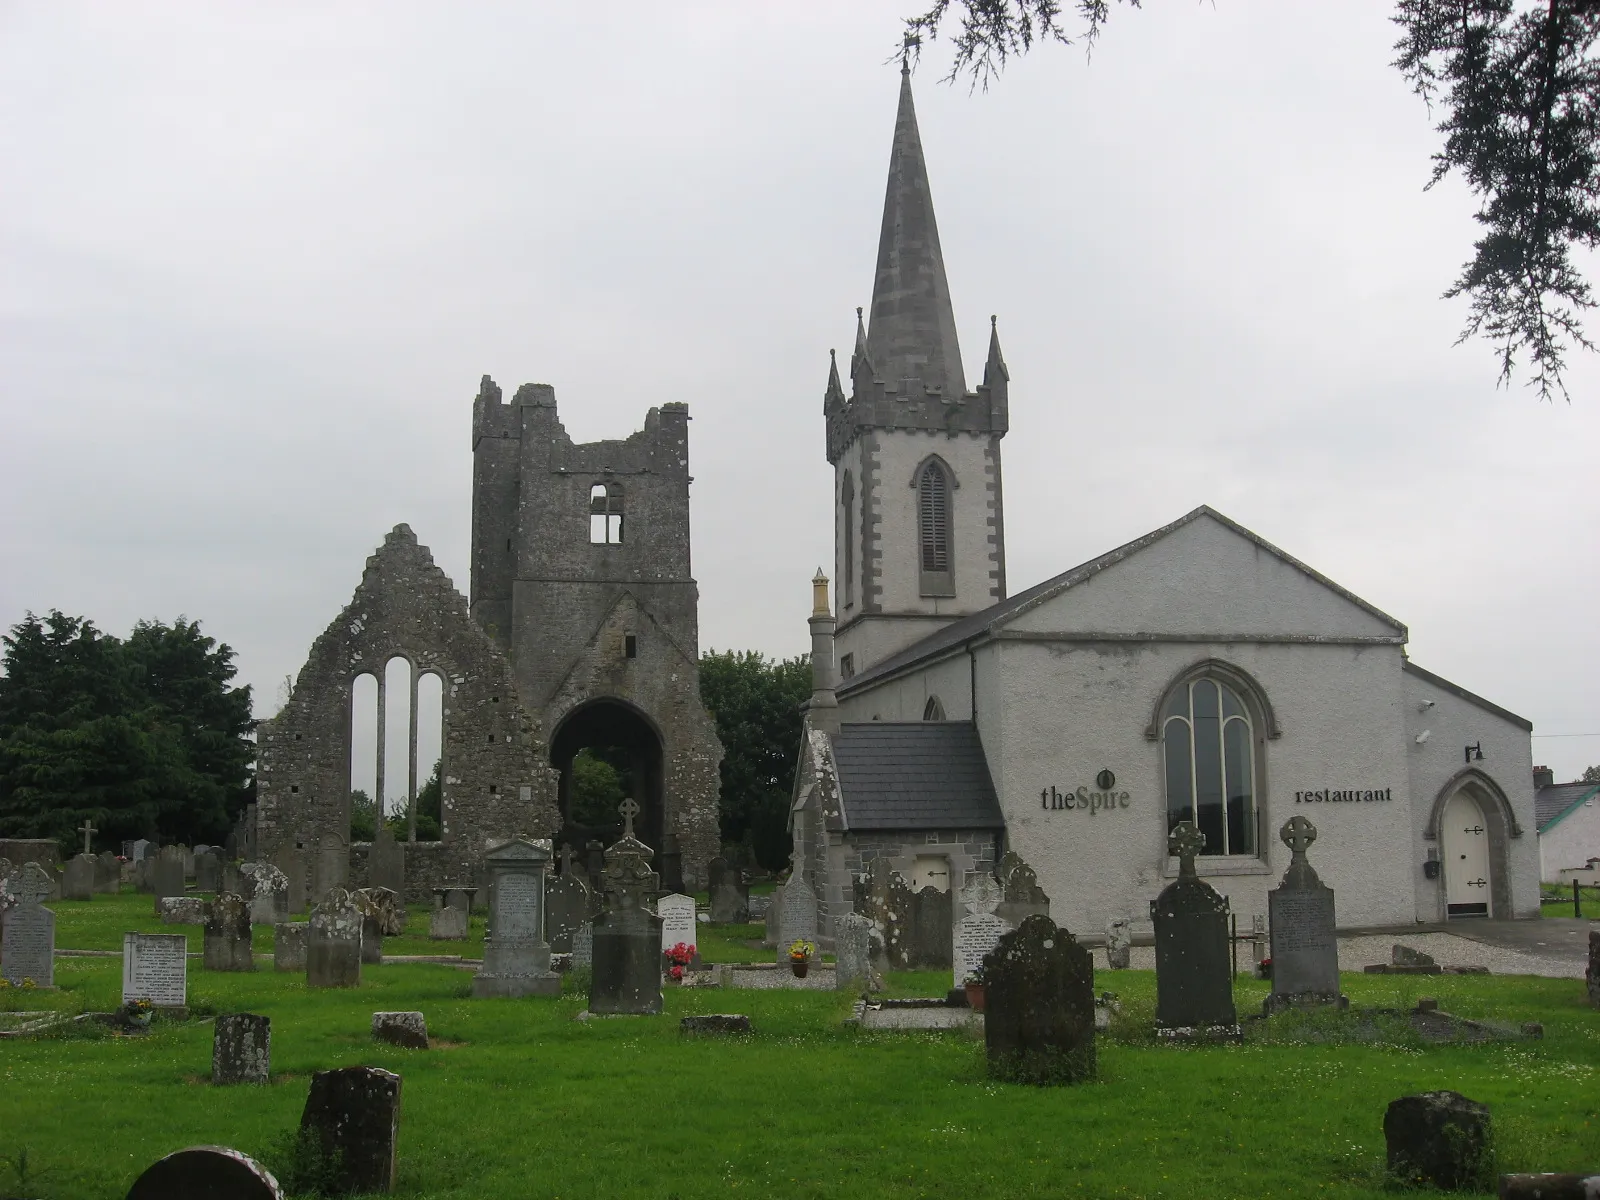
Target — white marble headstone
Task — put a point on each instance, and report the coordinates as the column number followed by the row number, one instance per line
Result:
column 155, row 967
column 978, row 932
column 677, row 920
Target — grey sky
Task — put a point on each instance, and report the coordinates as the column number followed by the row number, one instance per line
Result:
column 257, row 257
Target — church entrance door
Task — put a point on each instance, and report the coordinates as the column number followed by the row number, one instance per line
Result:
column 1465, row 838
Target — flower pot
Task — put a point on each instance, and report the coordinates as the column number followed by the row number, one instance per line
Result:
column 975, row 996
column 800, row 966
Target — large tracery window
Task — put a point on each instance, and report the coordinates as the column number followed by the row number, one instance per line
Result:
column 1208, row 743
column 933, row 531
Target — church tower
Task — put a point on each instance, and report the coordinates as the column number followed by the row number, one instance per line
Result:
column 919, row 530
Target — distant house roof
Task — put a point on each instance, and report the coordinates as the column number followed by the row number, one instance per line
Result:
column 914, row 775
column 1556, row 800
column 980, row 623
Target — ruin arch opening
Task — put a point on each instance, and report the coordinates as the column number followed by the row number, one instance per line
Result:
column 599, row 743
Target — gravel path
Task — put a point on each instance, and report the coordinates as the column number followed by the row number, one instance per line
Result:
column 1448, row 950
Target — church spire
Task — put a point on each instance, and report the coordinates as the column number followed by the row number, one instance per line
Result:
column 913, row 328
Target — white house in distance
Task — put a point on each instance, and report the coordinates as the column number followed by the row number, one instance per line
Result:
column 1569, row 828
column 1197, row 673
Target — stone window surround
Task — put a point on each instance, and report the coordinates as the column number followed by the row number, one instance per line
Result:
column 937, row 583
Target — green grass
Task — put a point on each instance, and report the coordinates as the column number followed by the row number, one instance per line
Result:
column 1552, row 905
column 521, row 1100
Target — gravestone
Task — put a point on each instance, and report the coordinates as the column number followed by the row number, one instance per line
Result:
column 447, row 924
column 594, row 865
column 269, row 901
column 77, row 878
column 331, row 869
column 852, row 951
column 141, row 874
column 408, row 1030
column 227, row 938
column 28, row 943
column 207, row 872
column 1592, row 975
column 1119, row 943
column 233, row 878
column 677, row 920
column 931, row 929
column 155, row 967
column 206, row 1173
column 333, row 942
column 1438, row 1138
column 166, row 874
column 289, row 946
column 1194, row 972
column 978, row 932
column 292, row 862
column 188, row 862
column 1305, row 946
column 516, row 958
column 1039, row 1006
column 183, row 910
column 386, row 863
column 352, row 1118
column 107, row 873
column 730, row 893
column 797, row 913
column 626, row 971
column 1020, row 894
column 241, row 1049
column 884, row 898
column 583, row 945
column 381, row 916
column 671, row 864
column 566, row 905
column 139, row 849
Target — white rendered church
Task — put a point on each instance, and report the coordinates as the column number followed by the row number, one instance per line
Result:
column 1197, row 673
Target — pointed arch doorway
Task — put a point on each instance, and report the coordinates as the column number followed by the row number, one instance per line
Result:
column 1464, row 844
column 610, row 741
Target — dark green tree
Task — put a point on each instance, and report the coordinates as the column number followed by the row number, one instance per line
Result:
column 1516, row 86
column 756, row 704
column 596, row 787
column 1591, row 774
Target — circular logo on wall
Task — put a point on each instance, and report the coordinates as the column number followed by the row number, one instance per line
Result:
column 1105, row 781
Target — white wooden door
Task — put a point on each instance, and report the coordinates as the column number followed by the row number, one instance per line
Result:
column 1465, row 842
column 930, row 870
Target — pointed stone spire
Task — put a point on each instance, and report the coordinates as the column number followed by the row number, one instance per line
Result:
column 913, row 329
column 994, row 369
column 834, row 396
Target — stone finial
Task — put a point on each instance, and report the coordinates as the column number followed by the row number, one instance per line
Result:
column 1184, row 842
column 819, row 595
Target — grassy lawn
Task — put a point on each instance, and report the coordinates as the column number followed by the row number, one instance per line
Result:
column 521, row 1100
column 1589, row 897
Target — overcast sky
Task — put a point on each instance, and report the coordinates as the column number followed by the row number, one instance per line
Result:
column 257, row 257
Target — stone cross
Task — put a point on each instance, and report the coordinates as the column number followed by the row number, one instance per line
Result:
column 31, row 887
column 1185, row 842
column 87, row 829
column 1298, row 834
column 629, row 809
column 566, row 860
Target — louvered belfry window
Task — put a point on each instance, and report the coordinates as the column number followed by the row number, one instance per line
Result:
column 933, row 525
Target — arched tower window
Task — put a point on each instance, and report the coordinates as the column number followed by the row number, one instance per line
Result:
column 933, row 710
column 605, row 514
column 847, row 508
column 933, row 531
column 1208, row 746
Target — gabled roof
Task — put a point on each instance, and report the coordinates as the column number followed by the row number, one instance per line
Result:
column 914, row 775
column 1455, row 689
column 982, row 623
column 1554, row 801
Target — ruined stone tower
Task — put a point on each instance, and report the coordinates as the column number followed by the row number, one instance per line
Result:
column 580, row 571
column 919, row 521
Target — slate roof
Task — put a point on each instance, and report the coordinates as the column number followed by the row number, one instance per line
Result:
column 1551, row 802
column 980, row 623
column 914, row 775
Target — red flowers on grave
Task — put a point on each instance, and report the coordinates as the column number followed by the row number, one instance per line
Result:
column 678, row 957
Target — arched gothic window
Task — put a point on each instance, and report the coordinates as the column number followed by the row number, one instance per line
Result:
column 605, row 514
column 1209, row 747
column 933, row 531
column 933, row 710
column 847, row 508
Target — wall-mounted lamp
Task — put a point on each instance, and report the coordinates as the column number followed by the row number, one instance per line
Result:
column 1426, row 705
column 1424, row 736
column 1474, row 752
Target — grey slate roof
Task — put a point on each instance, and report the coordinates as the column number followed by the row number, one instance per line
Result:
column 915, row 775
column 1551, row 801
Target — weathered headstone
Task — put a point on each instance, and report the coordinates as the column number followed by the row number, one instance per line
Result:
column 583, row 945
column 333, row 942
column 386, row 862
column 978, row 932
column 408, row 1030
column 139, row 849
column 292, row 862
column 352, row 1118
column 188, row 861
column 1039, row 1006
column 516, row 958
column 155, row 967
column 594, row 865
column 730, row 893
column 797, row 908
column 166, row 874
column 566, row 905
column 447, row 924
column 332, row 866
column 626, row 974
column 233, row 878
column 207, row 872
column 289, row 946
column 77, row 878
column 1305, row 946
column 1119, row 943
column 107, row 873
column 227, row 939
column 1020, row 894
column 241, row 1049
column 677, row 920
column 1194, row 972
column 852, row 951
column 716, row 1024
column 1438, row 1138
column 269, row 902
column 671, row 864
column 884, row 898
column 28, row 943
column 1592, row 975
column 381, row 913
column 183, row 910
column 931, row 929
column 206, row 1173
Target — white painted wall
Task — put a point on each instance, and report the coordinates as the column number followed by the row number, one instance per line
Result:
column 903, row 699
column 1571, row 842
